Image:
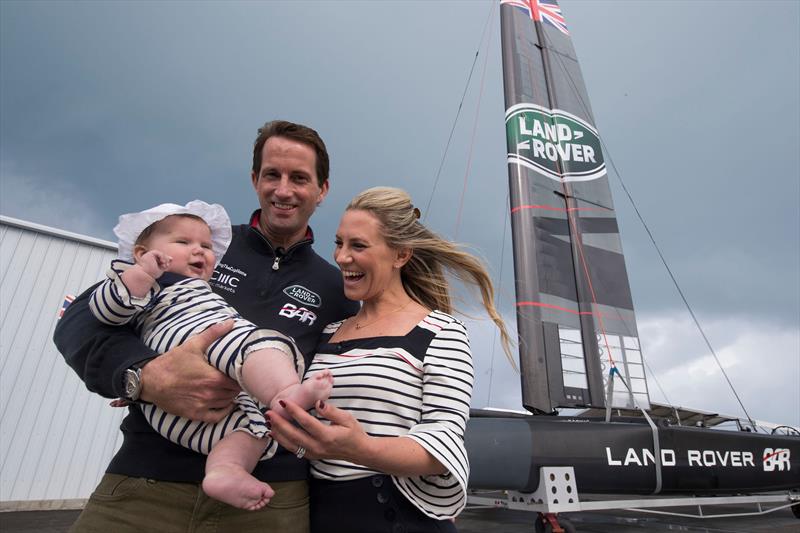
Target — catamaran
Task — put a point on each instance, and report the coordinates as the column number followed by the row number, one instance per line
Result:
column 578, row 342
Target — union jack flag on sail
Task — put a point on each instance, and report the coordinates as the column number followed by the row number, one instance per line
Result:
column 541, row 11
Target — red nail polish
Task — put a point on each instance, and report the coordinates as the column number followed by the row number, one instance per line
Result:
column 321, row 404
column 282, row 403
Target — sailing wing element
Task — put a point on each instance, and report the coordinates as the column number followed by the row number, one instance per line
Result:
column 574, row 309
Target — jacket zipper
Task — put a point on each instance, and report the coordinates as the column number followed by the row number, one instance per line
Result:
column 276, row 263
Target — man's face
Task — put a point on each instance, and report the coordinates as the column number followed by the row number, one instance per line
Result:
column 287, row 190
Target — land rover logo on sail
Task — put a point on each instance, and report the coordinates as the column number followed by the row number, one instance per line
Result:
column 553, row 143
column 303, row 295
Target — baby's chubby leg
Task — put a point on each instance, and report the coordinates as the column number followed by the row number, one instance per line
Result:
column 269, row 375
column 228, row 472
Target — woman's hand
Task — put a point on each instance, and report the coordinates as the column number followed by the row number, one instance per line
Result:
column 343, row 438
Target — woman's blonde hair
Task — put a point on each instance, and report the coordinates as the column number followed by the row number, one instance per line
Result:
column 423, row 276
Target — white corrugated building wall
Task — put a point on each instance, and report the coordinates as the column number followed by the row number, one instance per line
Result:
column 56, row 438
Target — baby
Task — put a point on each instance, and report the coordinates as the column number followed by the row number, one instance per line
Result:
column 167, row 255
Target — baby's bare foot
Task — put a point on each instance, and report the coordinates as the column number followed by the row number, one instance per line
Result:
column 306, row 394
column 236, row 487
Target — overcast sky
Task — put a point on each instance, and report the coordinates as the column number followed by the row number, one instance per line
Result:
column 111, row 107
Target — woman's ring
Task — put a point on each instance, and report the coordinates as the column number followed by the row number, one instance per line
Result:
column 300, row 452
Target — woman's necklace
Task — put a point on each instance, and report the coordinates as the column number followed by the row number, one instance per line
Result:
column 360, row 325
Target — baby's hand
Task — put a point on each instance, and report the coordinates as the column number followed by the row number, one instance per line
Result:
column 155, row 263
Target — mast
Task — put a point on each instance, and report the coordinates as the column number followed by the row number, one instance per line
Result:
column 574, row 309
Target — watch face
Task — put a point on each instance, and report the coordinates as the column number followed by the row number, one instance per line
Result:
column 132, row 384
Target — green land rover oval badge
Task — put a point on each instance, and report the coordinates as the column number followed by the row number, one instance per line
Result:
column 554, row 143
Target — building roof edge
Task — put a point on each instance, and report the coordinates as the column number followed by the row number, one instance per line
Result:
column 47, row 230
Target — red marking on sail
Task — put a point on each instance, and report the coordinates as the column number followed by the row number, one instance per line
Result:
column 551, row 306
column 565, row 309
column 554, row 208
column 541, row 11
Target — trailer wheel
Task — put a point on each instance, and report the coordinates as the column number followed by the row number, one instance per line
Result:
column 542, row 526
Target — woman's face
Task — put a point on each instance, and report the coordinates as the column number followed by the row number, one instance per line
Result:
column 369, row 265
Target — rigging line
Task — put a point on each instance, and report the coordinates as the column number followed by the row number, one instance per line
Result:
column 560, row 59
column 585, row 264
column 458, row 113
column 499, row 296
column 644, row 360
column 474, row 131
column 658, row 383
column 658, row 250
column 678, row 288
column 576, row 236
column 566, row 187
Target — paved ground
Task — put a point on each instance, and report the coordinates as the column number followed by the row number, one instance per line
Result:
column 495, row 521
column 505, row 521
column 37, row 521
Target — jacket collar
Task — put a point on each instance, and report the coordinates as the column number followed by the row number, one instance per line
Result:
column 285, row 253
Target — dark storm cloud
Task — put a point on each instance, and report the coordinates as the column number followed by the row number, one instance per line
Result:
column 109, row 107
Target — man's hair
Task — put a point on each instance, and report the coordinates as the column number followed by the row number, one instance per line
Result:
column 293, row 132
column 153, row 228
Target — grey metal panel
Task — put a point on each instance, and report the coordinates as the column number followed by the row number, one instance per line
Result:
column 55, row 437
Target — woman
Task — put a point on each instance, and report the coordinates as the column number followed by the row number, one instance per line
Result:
column 387, row 448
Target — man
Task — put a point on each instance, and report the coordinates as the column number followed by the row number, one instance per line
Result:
column 273, row 277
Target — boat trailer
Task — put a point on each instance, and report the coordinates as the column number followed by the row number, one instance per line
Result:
column 557, row 492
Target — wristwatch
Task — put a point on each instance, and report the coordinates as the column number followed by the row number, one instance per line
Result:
column 133, row 383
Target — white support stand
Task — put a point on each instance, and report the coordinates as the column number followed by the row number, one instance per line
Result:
column 557, row 492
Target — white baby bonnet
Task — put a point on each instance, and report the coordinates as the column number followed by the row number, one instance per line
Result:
column 131, row 225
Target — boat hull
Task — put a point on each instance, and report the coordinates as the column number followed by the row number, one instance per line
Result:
column 619, row 458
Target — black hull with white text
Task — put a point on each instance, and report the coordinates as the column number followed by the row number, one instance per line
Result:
column 507, row 451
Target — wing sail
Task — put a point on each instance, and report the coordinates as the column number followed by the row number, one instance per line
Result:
column 574, row 309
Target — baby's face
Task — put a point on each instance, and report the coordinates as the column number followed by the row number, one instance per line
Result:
column 188, row 242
